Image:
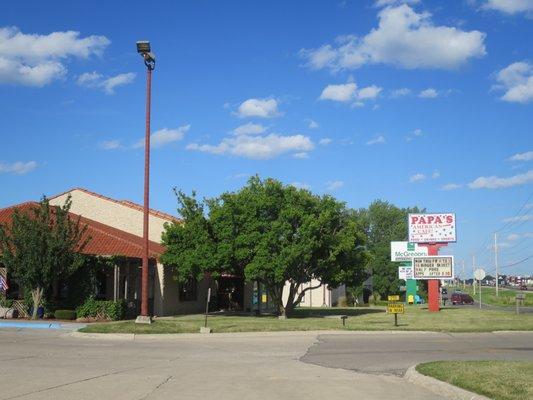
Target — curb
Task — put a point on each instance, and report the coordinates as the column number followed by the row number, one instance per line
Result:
column 229, row 335
column 439, row 387
column 107, row 336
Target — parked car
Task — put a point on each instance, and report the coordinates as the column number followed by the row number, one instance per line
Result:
column 522, row 287
column 461, row 298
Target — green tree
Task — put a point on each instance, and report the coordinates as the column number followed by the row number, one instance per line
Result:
column 270, row 233
column 41, row 247
column 383, row 223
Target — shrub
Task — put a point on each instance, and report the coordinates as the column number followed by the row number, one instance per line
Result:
column 374, row 298
column 102, row 309
column 343, row 302
column 6, row 303
column 65, row 314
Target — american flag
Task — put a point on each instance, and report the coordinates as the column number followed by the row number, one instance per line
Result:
column 3, row 284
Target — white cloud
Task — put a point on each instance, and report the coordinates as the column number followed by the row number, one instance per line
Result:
column 260, row 108
column 519, row 218
column 517, row 82
column 385, row 3
column 512, row 237
column 400, row 93
column 334, row 185
column 403, row 38
column 527, row 156
column 451, row 186
column 369, row 92
column 241, row 175
column 89, row 78
column 494, row 182
column 164, row 136
column 343, row 92
column 313, row 124
column 509, row 6
column 300, row 185
column 324, row 141
column 249, row 129
column 108, row 85
column 347, row 92
column 37, row 60
column 428, row 93
column 435, row 174
column 110, row 144
column 18, row 168
column 258, row 147
column 301, row 155
column 111, row 83
column 417, row 178
column 416, row 133
column 377, row 140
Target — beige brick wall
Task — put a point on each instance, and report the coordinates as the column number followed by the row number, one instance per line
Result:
column 317, row 297
column 111, row 213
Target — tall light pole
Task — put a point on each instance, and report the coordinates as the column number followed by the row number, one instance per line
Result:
column 143, row 48
column 496, row 262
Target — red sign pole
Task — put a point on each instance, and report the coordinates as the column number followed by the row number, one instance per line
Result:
column 433, row 284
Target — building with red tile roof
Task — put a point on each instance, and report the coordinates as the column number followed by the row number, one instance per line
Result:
column 115, row 229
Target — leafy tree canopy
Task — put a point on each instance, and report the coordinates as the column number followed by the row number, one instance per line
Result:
column 383, row 223
column 42, row 246
column 271, row 233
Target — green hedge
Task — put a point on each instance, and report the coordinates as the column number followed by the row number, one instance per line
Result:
column 102, row 309
column 65, row 314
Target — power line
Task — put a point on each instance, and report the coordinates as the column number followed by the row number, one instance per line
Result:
column 518, row 262
column 509, row 223
column 513, row 218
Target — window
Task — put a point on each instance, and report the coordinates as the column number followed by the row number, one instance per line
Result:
column 189, row 290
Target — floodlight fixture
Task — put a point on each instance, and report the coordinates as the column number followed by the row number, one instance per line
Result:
column 144, row 49
column 143, row 46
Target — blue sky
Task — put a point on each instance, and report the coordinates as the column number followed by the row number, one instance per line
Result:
column 425, row 103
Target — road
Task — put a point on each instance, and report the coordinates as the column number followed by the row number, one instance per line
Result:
column 306, row 365
column 393, row 353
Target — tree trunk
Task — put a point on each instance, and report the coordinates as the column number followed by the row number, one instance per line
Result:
column 289, row 306
column 36, row 295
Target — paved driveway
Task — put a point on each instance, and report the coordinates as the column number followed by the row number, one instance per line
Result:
column 51, row 365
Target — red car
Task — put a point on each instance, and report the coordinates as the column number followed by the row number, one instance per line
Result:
column 461, row 298
column 522, row 287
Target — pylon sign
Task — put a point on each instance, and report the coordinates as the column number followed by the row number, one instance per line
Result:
column 432, row 228
column 405, row 251
column 433, row 267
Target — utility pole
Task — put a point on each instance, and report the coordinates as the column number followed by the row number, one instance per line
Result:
column 496, row 261
column 464, row 276
column 473, row 269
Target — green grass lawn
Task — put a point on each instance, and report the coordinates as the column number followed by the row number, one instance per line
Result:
column 499, row 380
column 415, row 318
column 506, row 297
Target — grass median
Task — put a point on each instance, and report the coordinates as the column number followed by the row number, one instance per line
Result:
column 416, row 318
column 506, row 297
column 499, row 380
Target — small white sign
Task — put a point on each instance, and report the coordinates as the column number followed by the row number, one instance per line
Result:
column 405, row 251
column 479, row 274
column 432, row 228
column 405, row 272
column 433, row 267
